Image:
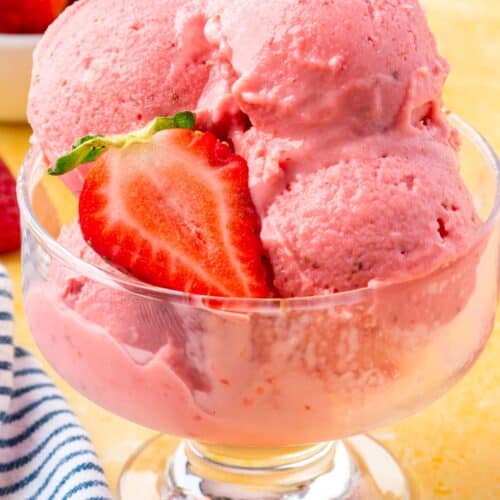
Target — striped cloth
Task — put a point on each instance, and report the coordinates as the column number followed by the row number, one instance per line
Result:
column 44, row 452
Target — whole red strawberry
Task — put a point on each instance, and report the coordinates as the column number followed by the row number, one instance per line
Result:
column 10, row 233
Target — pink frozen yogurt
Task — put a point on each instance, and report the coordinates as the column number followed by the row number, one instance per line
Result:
column 303, row 94
column 336, row 106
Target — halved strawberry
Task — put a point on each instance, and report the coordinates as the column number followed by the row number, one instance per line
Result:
column 176, row 212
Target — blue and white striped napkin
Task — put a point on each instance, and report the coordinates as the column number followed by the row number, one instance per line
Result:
column 44, row 452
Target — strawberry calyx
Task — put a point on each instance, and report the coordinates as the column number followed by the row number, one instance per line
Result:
column 87, row 149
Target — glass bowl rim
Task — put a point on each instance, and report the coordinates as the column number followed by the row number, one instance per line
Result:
column 132, row 285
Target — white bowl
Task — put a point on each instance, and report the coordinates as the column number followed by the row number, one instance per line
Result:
column 16, row 54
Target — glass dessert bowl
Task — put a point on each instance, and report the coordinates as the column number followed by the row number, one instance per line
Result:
column 267, row 393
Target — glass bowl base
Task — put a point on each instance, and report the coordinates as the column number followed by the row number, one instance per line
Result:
column 357, row 468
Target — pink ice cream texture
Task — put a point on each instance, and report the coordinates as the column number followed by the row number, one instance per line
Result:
column 317, row 100
column 336, row 106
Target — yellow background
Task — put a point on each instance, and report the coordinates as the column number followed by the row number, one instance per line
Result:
column 452, row 449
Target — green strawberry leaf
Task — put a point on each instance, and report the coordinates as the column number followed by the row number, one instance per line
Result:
column 87, row 149
column 185, row 119
column 84, row 139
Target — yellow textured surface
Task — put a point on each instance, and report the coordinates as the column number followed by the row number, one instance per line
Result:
column 452, row 449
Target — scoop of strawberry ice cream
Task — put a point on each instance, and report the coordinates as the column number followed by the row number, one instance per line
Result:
column 313, row 76
column 354, row 65
column 109, row 66
column 342, row 226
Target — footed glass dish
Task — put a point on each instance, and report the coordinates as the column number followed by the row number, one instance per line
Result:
column 270, row 396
